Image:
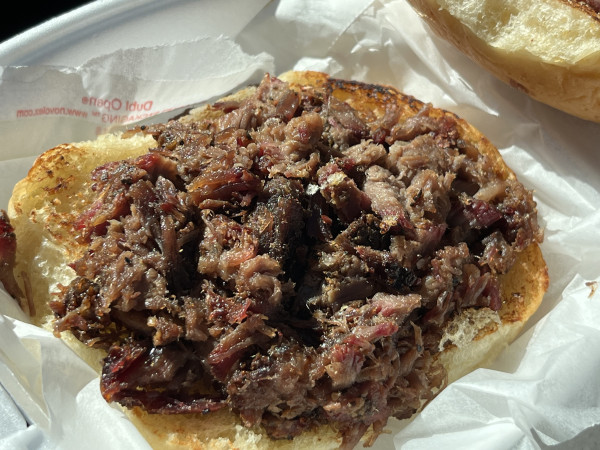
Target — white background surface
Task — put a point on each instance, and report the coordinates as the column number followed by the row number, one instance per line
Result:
column 543, row 393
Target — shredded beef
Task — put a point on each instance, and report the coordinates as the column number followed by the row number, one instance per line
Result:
column 8, row 252
column 291, row 260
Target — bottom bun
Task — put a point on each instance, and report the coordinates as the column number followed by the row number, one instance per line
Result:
column 58, row 189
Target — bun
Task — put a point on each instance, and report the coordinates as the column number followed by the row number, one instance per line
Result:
column 58, row 189
column 549, row 49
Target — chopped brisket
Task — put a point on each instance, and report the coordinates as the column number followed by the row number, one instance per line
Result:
column 290, row 260
column 8, row 253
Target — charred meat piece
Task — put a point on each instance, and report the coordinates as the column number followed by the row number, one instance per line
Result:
column 8, row 252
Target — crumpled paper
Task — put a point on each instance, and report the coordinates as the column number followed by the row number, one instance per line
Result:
column 542, row 393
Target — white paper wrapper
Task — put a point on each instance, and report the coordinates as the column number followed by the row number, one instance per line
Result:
column 543, row 392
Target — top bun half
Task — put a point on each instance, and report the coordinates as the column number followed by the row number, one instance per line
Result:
column 548, row 49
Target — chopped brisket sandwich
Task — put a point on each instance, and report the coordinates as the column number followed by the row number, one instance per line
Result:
column 549, row 49
column 291, row 266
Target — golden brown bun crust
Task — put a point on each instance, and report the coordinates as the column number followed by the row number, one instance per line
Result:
column 549, row 49
column 57, row 188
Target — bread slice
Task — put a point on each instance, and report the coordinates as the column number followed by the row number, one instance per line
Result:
column 549, row 49
column 56, row 190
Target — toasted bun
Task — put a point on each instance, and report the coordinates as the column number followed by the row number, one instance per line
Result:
column 57, row 188
column 549, row 49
